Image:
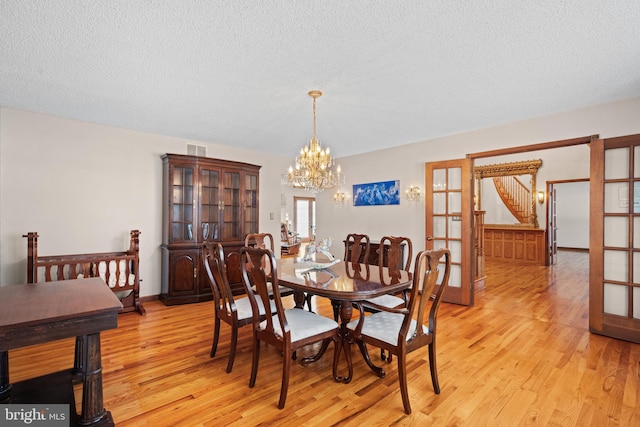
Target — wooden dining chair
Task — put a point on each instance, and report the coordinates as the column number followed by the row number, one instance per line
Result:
column 357, row 248
column 287, row 330
column 236, row 312
column 390, row 253
column 265, row 241
column 401, row 331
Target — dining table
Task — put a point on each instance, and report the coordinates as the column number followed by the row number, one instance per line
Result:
column 344, row 283
column 37, row 313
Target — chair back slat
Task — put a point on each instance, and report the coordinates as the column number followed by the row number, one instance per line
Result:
column 357, row 247
column 257, row 266
column 262, row 241
column 395, row 252
column 393, row 248
column 216, row 271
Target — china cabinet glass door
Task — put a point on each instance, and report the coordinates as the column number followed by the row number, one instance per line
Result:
column 182, row 209
column 250, row 203
column 231, row 207
column 209, row 204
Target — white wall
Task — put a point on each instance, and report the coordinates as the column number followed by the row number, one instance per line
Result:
column 83, row 187
column 406, row 163
column 572, row 214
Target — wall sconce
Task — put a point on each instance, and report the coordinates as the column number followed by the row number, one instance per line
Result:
column 339, row 197
column 541, row 197
column 413, row 194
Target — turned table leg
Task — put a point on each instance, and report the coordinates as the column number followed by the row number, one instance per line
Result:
column 93, row 411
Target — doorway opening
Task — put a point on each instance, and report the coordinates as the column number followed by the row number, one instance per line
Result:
column 567, row 216
column 304, row 218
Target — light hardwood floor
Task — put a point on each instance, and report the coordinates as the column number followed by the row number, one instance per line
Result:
column 522, row 355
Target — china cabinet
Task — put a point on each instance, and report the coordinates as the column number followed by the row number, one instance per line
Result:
column 204, row 199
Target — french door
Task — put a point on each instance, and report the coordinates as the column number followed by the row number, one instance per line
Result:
column 614, row 256
column 552, row 225
column 304, row 218
column 449, row 218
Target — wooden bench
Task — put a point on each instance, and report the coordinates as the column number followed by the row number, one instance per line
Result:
column 119, row 270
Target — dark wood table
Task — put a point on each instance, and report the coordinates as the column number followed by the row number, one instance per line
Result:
column 343, row 283
column 41, row 312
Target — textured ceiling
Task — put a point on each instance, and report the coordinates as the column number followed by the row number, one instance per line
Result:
column 237, row 72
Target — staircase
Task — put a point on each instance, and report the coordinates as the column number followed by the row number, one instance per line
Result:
column 516, row 197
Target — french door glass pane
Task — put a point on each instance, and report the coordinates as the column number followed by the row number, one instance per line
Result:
column 455, row 202
column 439, row 203
column 455, row 246
column 455, row 178
column 438, row 244
column 616, row 266
column 455, row 228
column 616, row 163
column 636, row 161
column 615, row 299
column 439, row 179
column 636, row 197
column 439, row 226
column 636, row 232
column 636, row 268
column 636, row 303
column 455, row 276
column 616, row 197
column 616, row 231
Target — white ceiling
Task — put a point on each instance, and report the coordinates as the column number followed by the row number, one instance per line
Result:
column 237, row 72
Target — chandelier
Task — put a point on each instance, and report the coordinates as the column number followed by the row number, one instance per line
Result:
column 314, row 165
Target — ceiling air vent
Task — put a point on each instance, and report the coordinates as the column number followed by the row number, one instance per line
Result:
column 196, row 150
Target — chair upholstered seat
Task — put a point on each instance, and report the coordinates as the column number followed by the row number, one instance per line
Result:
column 384, row 326
column 302, row 324
column 389, row 301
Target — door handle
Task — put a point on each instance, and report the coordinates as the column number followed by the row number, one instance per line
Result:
column 429, row 238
